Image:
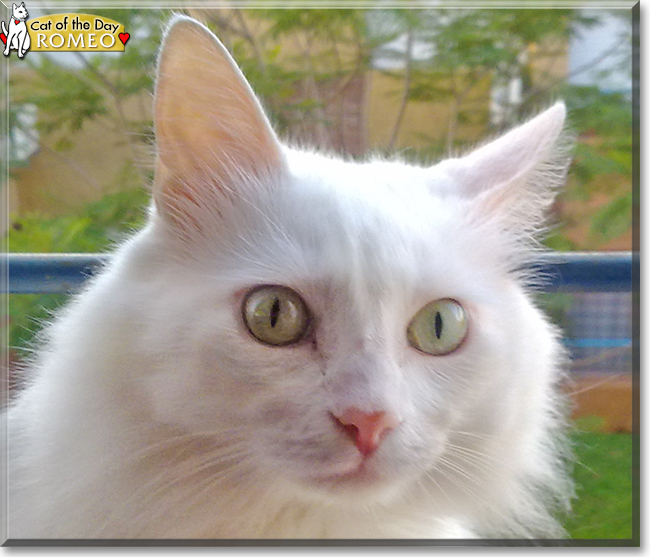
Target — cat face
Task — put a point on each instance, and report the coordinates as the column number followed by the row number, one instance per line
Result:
column 347, row 326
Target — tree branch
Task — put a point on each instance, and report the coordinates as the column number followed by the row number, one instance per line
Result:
column 408, row 69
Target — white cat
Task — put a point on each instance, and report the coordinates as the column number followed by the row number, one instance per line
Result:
column 298, row 346
column 17, row 35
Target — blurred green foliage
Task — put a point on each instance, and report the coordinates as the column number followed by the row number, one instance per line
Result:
column 98, row 225
column 602, row 159
column 603, row 476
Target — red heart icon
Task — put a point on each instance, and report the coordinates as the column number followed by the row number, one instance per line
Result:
column 124, row 37
column 3, row 37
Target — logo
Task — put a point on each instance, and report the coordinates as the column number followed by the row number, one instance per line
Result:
column 62, row 33
column 17, row 36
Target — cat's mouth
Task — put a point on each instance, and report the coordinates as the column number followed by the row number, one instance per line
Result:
column 361, row 472
column 355, row 471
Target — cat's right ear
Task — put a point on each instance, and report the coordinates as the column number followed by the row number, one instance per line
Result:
column 211, row 131
column 515, row 178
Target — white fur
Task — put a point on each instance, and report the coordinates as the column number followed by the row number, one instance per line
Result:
column 152, row 413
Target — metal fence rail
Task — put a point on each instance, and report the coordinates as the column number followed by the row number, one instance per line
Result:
column 28, row 273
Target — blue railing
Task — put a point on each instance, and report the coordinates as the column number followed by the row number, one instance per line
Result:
column 575, row 271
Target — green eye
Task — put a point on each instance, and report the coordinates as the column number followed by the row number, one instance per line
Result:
column 438, row 328
column 275, row 315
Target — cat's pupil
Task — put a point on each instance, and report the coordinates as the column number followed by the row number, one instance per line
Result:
column 438, row 325
column 275, row 312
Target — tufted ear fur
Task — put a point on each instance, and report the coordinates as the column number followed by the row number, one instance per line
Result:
column 514, row 179
column 210, row 128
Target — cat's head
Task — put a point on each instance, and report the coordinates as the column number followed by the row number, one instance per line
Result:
column 19, row 11
column 349, row 326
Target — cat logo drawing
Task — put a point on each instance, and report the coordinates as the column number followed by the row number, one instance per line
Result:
column 17, row 36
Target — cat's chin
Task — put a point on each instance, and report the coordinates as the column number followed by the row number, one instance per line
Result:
column 348, row 483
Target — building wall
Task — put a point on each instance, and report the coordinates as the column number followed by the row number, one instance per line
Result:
column 423, row 122
column 100, row 160
column 11, row 199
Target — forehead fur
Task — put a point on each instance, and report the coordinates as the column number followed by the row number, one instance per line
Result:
column 374, row 226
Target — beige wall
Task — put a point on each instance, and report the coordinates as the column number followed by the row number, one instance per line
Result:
column 548, row 62
column 422, row 122
column 10, row 197
column 101, row 157
column 56, row 182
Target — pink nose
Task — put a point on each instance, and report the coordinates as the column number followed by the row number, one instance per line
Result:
column 367, row 429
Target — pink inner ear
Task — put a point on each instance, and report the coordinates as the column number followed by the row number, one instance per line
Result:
column 510, row 157
column 206, row 113
column 210, row 128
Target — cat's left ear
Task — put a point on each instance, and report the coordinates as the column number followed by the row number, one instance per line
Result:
column 515, row 178
column 211, row 131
